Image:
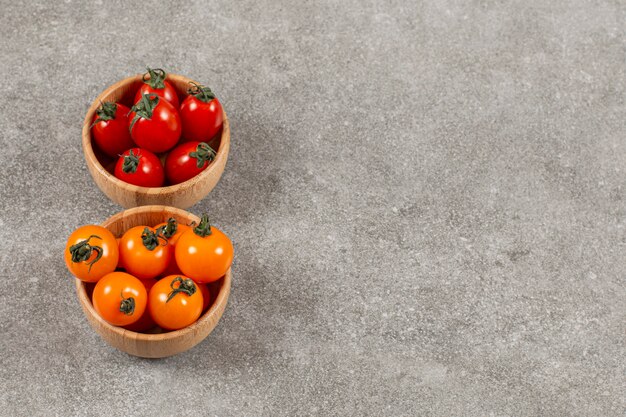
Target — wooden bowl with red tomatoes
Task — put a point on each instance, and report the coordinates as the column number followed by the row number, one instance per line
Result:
column 156, row 138
column 153, row 281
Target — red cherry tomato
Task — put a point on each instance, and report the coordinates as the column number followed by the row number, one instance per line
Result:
column 201, row 114
column 120, row 298
column 145, row 322
column 110, row 129
column 204, row 253
column 154, row 82
column 140, row 167
column 188, row 160
column 143, row 252
column 154, row 124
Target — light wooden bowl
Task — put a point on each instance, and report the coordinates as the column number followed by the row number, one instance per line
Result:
column 163, row 344
column 181, row 195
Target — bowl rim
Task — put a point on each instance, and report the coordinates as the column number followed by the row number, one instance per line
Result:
column 91, row 158
column 221, row 299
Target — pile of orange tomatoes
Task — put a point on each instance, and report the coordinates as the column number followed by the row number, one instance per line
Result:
column 150, row 276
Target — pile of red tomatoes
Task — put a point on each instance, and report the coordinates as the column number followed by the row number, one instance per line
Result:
column 157, row 123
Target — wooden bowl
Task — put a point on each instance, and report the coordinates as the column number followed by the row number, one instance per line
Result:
column 181, row 195
column 144, row 344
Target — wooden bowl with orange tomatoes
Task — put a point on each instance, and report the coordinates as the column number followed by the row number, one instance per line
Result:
column 157, row 345
column 101, row 166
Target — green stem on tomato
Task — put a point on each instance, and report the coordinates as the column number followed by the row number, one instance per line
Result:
column 105, row 112
column 168, row 230
column 131, row 162
column 186, row 286
column 150, row 239
column 81, row 251
column 204, row 228
column 143, row 108
column 157, row 78
column 203, row 153
column 127, row 305
column 201, row 92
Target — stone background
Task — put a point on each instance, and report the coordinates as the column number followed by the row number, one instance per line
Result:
column 426, row 198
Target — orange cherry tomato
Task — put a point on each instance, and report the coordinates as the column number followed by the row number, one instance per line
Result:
column 204, row 253
column 143, row 252
column 175, row 302
column 172, row 230
column 206, row 297
column 120, row 298
column 172, row 268
column 91, row 252
column 145, row 322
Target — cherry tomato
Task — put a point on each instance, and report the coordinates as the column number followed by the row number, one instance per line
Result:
column 201, row 114
column 145, row 322
column 120, row 298
column 206, row 297
column 154, row 124
column 143, row 252
column 110, row 129
column 175, row 302
column 140, row 167
column 188, row 160
column 118, row 240
column 154, row 82
column 172, row 230
column 172, row 267
column 204, row 253
column 91, row 252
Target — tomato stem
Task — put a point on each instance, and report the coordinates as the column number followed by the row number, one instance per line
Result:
column 131, row 162
column 157, row 78
column 81, row 251
column 150, row 239
column 186, row 286
column 203, row 153
column 168, row 230
column 144, row 108
column 201, row 92
column 204, row 228
column 105, row 112
column 127, row 305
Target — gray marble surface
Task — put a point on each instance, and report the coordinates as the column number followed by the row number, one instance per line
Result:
column 426, row 199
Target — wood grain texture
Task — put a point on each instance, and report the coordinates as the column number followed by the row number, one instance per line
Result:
column 127, row 195
column 163, row 344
